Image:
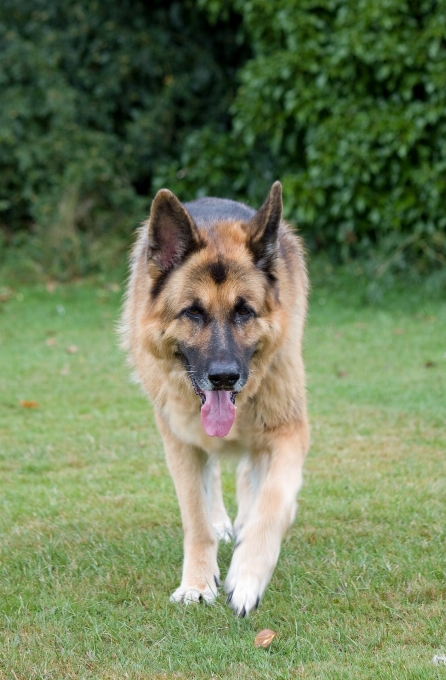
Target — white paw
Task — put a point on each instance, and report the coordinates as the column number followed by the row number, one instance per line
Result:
column 188, row 594
column 238, row 531
column 243, row 595
column 248, row 576
column 224, row 531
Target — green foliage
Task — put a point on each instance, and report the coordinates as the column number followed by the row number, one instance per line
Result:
column 351, row 100
column 345, row 102
column 95, row 96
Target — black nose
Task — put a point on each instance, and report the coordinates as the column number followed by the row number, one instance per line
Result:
column 223, row 376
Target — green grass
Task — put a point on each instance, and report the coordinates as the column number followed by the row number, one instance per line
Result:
column 91, row 542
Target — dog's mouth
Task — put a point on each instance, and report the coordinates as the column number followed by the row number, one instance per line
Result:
column 218, row 410
column 203, row 394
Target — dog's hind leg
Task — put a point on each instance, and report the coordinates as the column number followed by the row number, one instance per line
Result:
column 220, row 519
column 245, row 494
column 188, row 467
column 272, row 511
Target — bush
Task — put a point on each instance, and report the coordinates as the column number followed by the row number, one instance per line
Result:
column 349, row 99
column 95, row 97
column 344, row 102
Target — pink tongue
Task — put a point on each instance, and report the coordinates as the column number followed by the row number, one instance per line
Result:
column 217, row 413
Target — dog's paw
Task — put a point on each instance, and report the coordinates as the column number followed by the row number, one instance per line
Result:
column 188, row 594
column 224, row 531
column 238, row 533
column 244, row 594
column 247, row 580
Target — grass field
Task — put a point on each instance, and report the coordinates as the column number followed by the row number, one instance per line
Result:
column 91, row 542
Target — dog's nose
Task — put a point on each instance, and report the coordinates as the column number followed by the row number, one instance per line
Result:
column 223, row 376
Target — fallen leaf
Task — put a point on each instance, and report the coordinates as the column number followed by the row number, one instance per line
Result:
column 72, row 349
column 264, row 638
column 6, row 294
column 51, row 342
column 29, row 404
column 342, row 374
column 50, row 286
column 429, row 364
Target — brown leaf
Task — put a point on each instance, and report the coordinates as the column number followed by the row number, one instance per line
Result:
column 72, row 349
column 429, row 364
column 6, row 294
column 264, row 638
column 51, row 342
column 29, row 404
column 342, row 374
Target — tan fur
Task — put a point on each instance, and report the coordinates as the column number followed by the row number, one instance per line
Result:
column 270, row 432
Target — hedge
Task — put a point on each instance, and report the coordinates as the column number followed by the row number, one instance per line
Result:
column 345, row 102
column 349, row 98
column 94, row 97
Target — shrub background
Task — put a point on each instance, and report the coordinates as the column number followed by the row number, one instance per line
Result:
column 101, row 104
column 95, row 97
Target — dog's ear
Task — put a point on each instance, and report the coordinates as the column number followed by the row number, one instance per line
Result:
column 172, row 233
column 263, row 229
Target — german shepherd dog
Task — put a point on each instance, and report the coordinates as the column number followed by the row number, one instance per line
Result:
column 212, row 323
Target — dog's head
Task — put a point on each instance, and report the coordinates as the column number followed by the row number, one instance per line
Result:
column 214, row 292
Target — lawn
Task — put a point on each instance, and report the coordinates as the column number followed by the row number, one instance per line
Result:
column 91, row 541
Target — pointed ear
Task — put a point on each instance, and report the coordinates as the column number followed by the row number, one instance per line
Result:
column 172, row 233
column 263, row 229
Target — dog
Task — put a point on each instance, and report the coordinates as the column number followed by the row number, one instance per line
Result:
column 212, row 323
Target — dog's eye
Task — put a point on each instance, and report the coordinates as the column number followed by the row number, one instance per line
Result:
column 194, row 312
column 244, row 312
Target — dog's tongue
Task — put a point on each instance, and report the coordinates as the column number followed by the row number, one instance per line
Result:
column 217, row 413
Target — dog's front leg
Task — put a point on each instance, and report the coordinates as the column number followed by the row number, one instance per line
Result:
column 273, row 509
column 187, row 465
